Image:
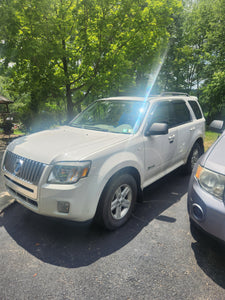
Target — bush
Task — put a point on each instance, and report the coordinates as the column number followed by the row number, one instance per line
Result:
column 7, row 127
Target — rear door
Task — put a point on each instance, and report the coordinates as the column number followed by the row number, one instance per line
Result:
column 185, row 129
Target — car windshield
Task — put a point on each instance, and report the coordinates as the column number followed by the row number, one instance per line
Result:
column 118, row 116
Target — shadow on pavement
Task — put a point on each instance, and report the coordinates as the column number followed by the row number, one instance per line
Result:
column 72, row 245
column 209, row 254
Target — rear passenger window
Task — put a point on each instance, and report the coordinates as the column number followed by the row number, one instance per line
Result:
column 195, row 107
column 182, row 113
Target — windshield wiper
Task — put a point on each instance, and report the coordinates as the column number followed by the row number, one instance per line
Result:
column 94, row 128
column 75, row 125
column 88, row 127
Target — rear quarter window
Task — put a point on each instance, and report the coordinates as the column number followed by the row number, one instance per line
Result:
column 195, row 107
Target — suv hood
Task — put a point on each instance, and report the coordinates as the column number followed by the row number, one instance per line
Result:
column 214, row 158
column 64, row 144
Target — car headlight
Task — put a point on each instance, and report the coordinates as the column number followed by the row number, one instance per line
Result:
column 69, row 172
column 212, row 182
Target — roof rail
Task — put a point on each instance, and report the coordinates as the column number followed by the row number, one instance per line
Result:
column 173, row 94
column 153, row 95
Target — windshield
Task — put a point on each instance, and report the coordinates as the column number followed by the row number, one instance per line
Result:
column 119, row 116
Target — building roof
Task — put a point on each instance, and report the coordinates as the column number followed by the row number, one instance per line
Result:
column 4, row 100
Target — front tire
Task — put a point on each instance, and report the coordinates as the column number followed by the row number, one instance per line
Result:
column 117, row 201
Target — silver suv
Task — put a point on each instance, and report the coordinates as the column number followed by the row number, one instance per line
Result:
column 206, row 193
column 97, row 165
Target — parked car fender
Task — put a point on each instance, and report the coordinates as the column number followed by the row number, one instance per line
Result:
column 119, row 162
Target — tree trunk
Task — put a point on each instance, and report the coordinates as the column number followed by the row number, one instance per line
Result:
column 69, row 103
column 34, row 104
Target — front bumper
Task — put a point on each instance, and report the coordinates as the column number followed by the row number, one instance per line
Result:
column 45, row 199
column 206, row 211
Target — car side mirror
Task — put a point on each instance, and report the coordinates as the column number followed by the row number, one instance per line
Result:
column 217, row 126
column 157, row 129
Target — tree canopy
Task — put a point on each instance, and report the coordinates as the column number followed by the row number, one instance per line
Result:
column 196, row 59
column 58, row 56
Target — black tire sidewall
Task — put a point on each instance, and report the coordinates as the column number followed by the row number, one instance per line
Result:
column 189, row 165
column 112, row 186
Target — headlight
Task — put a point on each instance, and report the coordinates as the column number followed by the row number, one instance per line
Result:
column 69, row 172
column 212, row 182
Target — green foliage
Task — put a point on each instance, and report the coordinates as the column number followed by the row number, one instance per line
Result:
column 213, row 89
column 7, row 127
column 76, row 50
column 57, row 56
column 182, row 70
column 196, row 58
column 214, row 96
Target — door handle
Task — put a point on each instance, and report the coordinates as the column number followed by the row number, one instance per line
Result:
column 192, row 129
column 171, row 138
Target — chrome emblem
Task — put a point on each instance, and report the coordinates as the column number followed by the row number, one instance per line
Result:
column 17, row 166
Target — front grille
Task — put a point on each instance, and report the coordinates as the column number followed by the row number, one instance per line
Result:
column 23, row 168
column 19, row 185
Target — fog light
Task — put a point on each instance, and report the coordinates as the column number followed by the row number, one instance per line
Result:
column 197, row 212
column 63, row 207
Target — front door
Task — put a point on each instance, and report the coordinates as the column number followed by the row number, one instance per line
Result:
column 160, row 150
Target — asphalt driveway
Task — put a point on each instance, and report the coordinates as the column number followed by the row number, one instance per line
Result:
column 153, row 256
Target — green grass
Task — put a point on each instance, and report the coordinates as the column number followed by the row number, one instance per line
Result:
column 18, row 132
column 210, row 138
column 15, row 132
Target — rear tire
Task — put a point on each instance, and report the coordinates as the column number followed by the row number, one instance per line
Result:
column 196, row 152
column 117, row 201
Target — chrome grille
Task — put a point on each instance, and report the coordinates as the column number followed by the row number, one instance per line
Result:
column 23, row 168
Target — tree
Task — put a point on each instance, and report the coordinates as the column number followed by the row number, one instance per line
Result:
column 80, row 49
column 210, row 23
column 196, row 57
column 214, row 95
column 182, row 70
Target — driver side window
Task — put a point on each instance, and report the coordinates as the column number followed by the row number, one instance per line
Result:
column 163, row 113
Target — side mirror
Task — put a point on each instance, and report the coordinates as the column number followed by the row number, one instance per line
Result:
column 157, row 129
column 217, row 126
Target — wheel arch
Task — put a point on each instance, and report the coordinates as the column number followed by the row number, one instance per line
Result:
column 199, row 141
column 187, row 166
column 98, row 218
column 126, row 170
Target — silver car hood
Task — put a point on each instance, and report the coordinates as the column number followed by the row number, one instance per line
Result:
column 214, row 159
column 64, row 144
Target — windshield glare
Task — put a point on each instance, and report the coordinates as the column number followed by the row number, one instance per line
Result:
column 119, row 116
